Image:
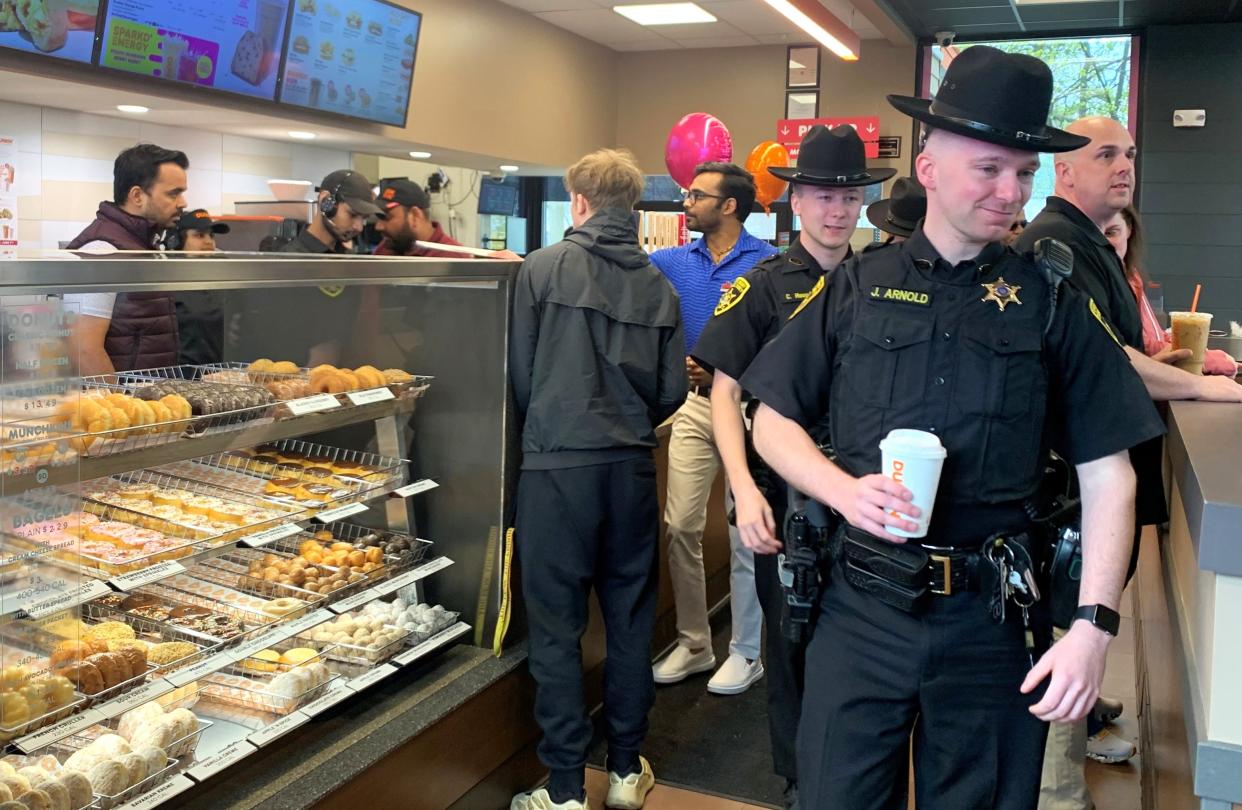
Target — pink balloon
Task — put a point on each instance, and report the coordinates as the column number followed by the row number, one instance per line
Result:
column 696, row 138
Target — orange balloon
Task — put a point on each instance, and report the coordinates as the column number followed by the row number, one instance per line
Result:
column 768, row 187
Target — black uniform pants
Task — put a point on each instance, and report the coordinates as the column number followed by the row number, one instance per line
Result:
column 876, row 675
column 784, row 660
column 578, row 529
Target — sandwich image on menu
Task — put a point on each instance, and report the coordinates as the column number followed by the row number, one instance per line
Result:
column 63, row 28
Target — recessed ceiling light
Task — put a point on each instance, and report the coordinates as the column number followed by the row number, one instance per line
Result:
column 133, row 108
column 822, row 24
column 301, row 135
column 420, row 155
column 509, row 167
column 665, row 13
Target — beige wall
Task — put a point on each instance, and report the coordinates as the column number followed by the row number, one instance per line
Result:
column 745, row 88
column 497, row 81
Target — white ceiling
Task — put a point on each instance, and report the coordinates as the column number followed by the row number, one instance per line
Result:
column 738, row 23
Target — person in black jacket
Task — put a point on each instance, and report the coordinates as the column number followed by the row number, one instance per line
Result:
column 596, row 358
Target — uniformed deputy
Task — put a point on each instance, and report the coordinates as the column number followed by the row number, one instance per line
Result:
column 899, row 213
column 952, row 333
column 826, row 193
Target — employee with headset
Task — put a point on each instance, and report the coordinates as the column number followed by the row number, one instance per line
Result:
column 345, row 202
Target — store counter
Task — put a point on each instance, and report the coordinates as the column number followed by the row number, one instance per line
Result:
column 1189, row 611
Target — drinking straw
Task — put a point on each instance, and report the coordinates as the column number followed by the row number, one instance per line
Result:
column 1194, row 305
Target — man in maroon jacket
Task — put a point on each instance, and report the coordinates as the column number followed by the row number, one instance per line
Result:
column 132, row 330
column 408, row 220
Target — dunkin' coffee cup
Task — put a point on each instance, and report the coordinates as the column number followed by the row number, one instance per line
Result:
column 1190, row 331
column 914, row 458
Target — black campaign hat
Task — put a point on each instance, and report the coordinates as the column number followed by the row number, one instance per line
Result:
column 832, row 157
column 994, row 96
column 900, row 213
column 199, row 220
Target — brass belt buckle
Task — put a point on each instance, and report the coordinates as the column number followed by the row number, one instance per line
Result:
column 946, row 566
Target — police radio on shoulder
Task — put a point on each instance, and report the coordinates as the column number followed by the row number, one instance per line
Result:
column 1101, row 616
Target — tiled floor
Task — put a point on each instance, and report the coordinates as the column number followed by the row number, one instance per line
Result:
column 664, row 797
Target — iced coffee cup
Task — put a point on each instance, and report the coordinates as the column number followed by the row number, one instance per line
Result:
column 1190, row 331
column 913, row 458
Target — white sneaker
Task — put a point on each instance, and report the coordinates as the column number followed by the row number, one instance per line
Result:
column 540, row 800
column 1108, row 748
column 735, row 676
column 630, row 793
column 681, row 664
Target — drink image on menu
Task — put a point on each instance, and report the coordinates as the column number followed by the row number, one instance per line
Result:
column 64, row 28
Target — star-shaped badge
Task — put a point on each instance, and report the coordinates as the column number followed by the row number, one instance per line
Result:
column 1002, row 292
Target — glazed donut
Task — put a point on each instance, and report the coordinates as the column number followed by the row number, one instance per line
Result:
column 179, row 405
column 320, row 369
column 395, row 375
column 285, row 367
column 282, row 606
column 261, row 366
column 86, row 676
column 162, row 415
column 329, row 383
column 136, row 657
column 369, row 376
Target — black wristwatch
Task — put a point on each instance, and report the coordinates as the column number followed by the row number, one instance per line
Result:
column 1100, row 616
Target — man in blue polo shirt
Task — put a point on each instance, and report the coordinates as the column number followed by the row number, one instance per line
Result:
column 717, row 203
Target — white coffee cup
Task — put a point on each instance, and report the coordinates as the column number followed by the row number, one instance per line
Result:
column 913, row 458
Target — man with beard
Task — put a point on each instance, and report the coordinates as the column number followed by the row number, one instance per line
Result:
column 720, row 198
column 407, row 220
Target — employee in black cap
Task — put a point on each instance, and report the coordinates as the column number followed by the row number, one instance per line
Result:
column 952, row 334
column 826, row 193
column 899, row 213
column 200, row 313
column 408, row 219
column 341, row 210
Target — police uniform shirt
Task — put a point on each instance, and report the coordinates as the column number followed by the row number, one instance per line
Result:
column 900, row 338
column 754, row 309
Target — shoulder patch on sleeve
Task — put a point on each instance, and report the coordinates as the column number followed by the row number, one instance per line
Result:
column 732, row 296
column 1095, row 311
column 816, row 290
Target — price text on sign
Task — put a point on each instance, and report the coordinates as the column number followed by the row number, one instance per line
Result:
column 136, row 697
column 305, row 405
column 278, row 729
column 356, row 601
column 260, row 642
column 422, row 572
column 329, row 515
column 414, row 488
column 320, row 705
column 58, row 731
column 435, row 642
column 308, row 621
column 374, row 676
column 369, row 396
column 157, row 796
column 271, row 535
column 222, row 759
column 205, row 667
column 152, row 573
column 84, row 593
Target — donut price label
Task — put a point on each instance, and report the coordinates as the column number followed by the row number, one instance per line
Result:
column 409, row 577
column 305, row 405
column 84, row 593
column 373, row 677
column 136, row 697
column 439, row 640
column 320, row 705
column 205, row 667
column 271, row 535
column 329, row 515
column 222, row 759
column 258, row 643
column 306, row 622
column 58, row 731
column 369, row 396
column 414, row 488
column 356, row 601
column 279, row 729
column 152, row 573
column 177, row 784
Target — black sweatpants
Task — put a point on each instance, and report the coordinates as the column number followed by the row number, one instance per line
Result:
column 783, row 660
column 578, row 529
column 950, row 676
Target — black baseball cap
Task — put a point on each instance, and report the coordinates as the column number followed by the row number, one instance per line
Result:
column 200, row 220
column 351, row 187
column 396, row 191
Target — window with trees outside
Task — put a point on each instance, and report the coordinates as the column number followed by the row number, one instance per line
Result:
column 1091, row 76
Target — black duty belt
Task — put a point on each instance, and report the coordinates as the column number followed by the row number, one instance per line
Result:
column 951, row 570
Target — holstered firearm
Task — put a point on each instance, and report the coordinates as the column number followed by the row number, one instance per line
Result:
column 1056, row 512
column 805, row 560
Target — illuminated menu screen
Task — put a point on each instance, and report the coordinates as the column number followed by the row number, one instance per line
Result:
column 54, row 27
column 352, row 57
column 231, row 45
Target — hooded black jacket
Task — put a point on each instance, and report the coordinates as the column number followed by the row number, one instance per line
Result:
column 595, row 353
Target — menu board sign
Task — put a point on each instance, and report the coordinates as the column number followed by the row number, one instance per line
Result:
column 54, row 27
column 231, row 45
column 352, row 57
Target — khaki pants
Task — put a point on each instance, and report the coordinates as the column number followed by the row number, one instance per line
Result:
column 693, row 463
column 1064, row 781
